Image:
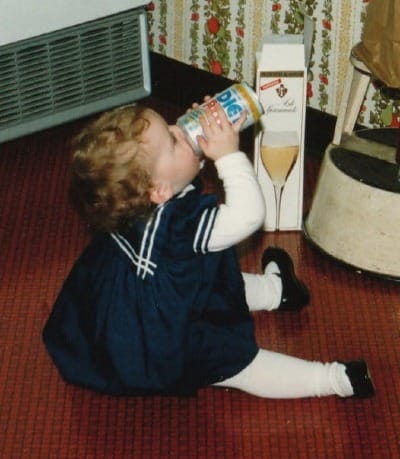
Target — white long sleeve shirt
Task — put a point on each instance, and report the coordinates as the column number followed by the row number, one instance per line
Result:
column 243, row 211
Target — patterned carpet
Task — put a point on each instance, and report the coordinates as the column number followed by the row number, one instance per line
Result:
column 41, row 417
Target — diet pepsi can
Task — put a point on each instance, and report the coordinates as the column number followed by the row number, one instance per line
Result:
column 234, row 100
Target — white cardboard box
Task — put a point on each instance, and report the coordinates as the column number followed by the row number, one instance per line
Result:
column 281, row 82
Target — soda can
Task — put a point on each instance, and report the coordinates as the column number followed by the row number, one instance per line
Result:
column 234, row 100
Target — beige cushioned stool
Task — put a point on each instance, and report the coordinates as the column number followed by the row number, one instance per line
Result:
column 355, row 213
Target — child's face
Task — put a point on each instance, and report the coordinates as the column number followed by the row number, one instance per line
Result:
column 173, row 163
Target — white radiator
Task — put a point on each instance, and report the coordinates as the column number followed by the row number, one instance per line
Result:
column 67, row 59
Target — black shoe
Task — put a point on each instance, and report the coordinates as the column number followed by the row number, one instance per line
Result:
column 360, row 379
column 295, row 294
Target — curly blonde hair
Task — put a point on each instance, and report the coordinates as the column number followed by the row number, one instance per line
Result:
column 109, row 181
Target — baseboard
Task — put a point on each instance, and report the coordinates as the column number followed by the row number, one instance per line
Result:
column 181, row 84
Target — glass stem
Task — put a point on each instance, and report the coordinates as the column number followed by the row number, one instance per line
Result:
column 278, row 194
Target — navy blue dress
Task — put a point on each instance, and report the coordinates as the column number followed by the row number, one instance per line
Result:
column 151, row 311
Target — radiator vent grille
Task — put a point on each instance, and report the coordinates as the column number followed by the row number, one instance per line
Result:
column 72, row 72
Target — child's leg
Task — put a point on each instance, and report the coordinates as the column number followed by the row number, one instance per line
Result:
column 263, row 291
column 274, row 375
column 278, row 287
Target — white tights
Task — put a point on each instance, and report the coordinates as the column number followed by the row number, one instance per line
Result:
column 263, row 291
column 275, row 375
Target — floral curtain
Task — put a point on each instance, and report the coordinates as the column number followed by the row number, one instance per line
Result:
column 222, row 36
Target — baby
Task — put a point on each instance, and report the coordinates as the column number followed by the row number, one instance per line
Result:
column 157, row 304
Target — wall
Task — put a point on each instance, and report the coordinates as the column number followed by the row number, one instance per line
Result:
column 222, row 36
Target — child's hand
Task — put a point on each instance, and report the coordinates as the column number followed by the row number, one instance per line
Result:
column 197, row 105
column 220, row 136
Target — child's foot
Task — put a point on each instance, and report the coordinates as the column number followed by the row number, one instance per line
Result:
column 360, row 379
column 295, row 294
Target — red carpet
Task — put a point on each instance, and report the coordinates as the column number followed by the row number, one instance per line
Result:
column 41, row 417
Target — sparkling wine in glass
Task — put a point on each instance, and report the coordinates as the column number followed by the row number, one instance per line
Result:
column 279, row 152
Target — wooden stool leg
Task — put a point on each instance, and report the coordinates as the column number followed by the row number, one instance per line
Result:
column 356, row 85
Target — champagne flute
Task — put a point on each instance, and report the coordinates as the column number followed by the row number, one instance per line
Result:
column 279, row 152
